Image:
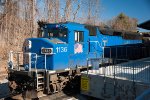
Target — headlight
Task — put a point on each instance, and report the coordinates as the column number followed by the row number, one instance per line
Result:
column 26, row 67
column 27, row 45
column 10, row 64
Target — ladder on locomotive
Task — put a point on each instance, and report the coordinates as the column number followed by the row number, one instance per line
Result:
column 40, row 80
column 40, row 74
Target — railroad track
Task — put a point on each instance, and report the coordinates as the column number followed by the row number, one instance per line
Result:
column 64, row 96
column 56, row 96
column 59, row 96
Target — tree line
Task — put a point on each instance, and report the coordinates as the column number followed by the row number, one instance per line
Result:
column 123, row 22
column 18, row 18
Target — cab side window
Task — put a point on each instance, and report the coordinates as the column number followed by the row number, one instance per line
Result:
column 79, row 36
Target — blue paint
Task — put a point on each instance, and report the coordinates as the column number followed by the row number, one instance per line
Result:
column 63, row 43
column 145, row 94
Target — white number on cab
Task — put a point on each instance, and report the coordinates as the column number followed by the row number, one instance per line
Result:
column 61, row 49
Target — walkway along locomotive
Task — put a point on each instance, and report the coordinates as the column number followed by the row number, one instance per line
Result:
column 58, row 55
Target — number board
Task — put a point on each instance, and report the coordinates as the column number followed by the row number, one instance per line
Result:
column 47, row 51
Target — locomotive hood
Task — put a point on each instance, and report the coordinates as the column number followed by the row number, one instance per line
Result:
column 56, row 41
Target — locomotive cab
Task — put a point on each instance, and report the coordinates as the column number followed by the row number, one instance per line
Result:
column 58, row 47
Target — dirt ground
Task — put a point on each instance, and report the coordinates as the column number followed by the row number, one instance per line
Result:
column 57, row 96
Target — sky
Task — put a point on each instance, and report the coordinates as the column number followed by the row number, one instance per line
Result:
column 139, row 9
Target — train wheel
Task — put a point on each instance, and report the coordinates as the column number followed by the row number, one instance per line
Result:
column 13, row 85
column 53, row 88
column 58, row 87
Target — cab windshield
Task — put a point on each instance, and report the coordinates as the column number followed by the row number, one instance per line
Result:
column 57, row 33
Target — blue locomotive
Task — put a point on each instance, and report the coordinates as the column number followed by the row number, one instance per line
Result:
column 67, row 45
column 60, row 53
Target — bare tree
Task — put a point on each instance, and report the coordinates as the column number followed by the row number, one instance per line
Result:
column 16, row 23
column 18, row 17
column 123, row 22
column 91, row 11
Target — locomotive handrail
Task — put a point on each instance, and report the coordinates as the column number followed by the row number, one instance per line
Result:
column 11, row 61
column 97, row 45
column 30, row 61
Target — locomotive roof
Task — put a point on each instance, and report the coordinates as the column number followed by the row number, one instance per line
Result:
column 145, row 25
column 105, row 30
column 41, row 23
column 124, row 34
